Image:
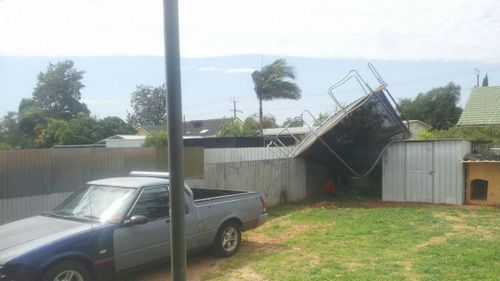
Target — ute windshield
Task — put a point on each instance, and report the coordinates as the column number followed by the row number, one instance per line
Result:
column 101, row 203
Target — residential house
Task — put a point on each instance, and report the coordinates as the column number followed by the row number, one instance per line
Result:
column 416, row 128
column 194, row 128
column 482, row 108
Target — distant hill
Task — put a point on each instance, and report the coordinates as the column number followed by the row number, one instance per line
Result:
column 209, row 82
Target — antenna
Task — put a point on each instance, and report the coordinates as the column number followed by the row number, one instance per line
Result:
column 477, row 76
column 234, row 100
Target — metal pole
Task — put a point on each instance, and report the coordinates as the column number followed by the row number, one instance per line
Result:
column 175, row 144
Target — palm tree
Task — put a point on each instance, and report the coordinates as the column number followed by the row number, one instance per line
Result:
column 273, row 82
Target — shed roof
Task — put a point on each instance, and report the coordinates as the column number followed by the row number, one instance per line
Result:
column 482, row 108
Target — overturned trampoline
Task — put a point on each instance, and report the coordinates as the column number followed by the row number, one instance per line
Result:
column 351, row 141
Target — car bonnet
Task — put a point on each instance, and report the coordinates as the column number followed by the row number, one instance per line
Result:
column 22, row 236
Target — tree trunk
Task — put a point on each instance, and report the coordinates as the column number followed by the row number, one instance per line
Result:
column 260, row 118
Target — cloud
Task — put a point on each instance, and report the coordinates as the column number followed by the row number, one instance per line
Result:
column 231, row 70
column 238, row 70
column 100, row 102
column 206, row 69
column 384, row 29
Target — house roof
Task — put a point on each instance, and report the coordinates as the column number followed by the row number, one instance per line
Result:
column 122, row 137
column 153, row 128
column 417, row 122
column 209, row 127
column 482, row 108
column 288, row 131
column 202, row 128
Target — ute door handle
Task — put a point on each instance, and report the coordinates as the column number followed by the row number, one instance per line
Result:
column 167, row 220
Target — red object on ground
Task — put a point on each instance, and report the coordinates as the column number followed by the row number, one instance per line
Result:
column 330, row 188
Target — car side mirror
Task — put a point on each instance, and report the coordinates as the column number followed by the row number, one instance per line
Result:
column 136, row 220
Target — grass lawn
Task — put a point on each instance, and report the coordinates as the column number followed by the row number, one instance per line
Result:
column 360, row 241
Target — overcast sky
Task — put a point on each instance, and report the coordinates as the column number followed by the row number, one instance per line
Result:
column 384, row 29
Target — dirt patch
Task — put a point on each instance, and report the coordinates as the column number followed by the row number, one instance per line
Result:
column 354, row 265
column 245, row 274
column 370, row 204
column 203, row 264
column 199, row 265
column 324, row 205
column 435, row 240
column 408, row 271
column 459, row 227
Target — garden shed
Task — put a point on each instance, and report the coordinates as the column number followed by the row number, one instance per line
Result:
column 425, row 171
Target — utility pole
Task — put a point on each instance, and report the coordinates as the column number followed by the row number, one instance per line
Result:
column 234, row 110
column 477, row 76
column 175, row 143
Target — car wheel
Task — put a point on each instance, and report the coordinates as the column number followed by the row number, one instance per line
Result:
column 67, row 271
column 228, row 239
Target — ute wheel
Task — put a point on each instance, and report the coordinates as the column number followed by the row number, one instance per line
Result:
column 228, row 239
column 67, row 271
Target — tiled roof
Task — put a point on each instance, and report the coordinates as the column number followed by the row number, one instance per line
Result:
column 482, row 108
column 208, row 127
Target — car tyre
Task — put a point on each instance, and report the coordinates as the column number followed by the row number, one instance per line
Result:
column 228, row 239
column 67, row 271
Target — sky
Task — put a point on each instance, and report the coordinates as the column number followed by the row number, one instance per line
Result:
column 418, row 45
column 384, row 29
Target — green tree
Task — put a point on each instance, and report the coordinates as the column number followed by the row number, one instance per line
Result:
column 293, row 122
column 322, row 117
column 52, row 134
column 274, row 81
column 26, row 104
column 482, row 134
column 249, row 128
column 438, row 107
column 81, row 130
column 267, row 121
column 149, row 105
column 32, row 122
column 156, row 139
column 4, row 146
column 10, row 135
column 110, row 126
column 485, row 80
column 58, row 91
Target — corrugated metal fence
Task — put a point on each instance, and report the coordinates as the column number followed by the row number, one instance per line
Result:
column 223, row 155
column 33, row 180
column 278, row 180
column 262, row 169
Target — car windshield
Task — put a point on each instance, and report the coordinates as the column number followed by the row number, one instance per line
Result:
column 102, row 203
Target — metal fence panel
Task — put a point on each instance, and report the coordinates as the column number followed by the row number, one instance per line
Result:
column 393, row 173
column 449, row 172
column 278, row 180
column 21, row 207
column 224, row 155
column 419, row 172
column 44, row 171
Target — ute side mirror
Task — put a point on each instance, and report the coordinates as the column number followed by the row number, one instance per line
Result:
column 136, row 220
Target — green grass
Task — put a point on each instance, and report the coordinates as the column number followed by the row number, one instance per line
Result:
column 355, row 243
